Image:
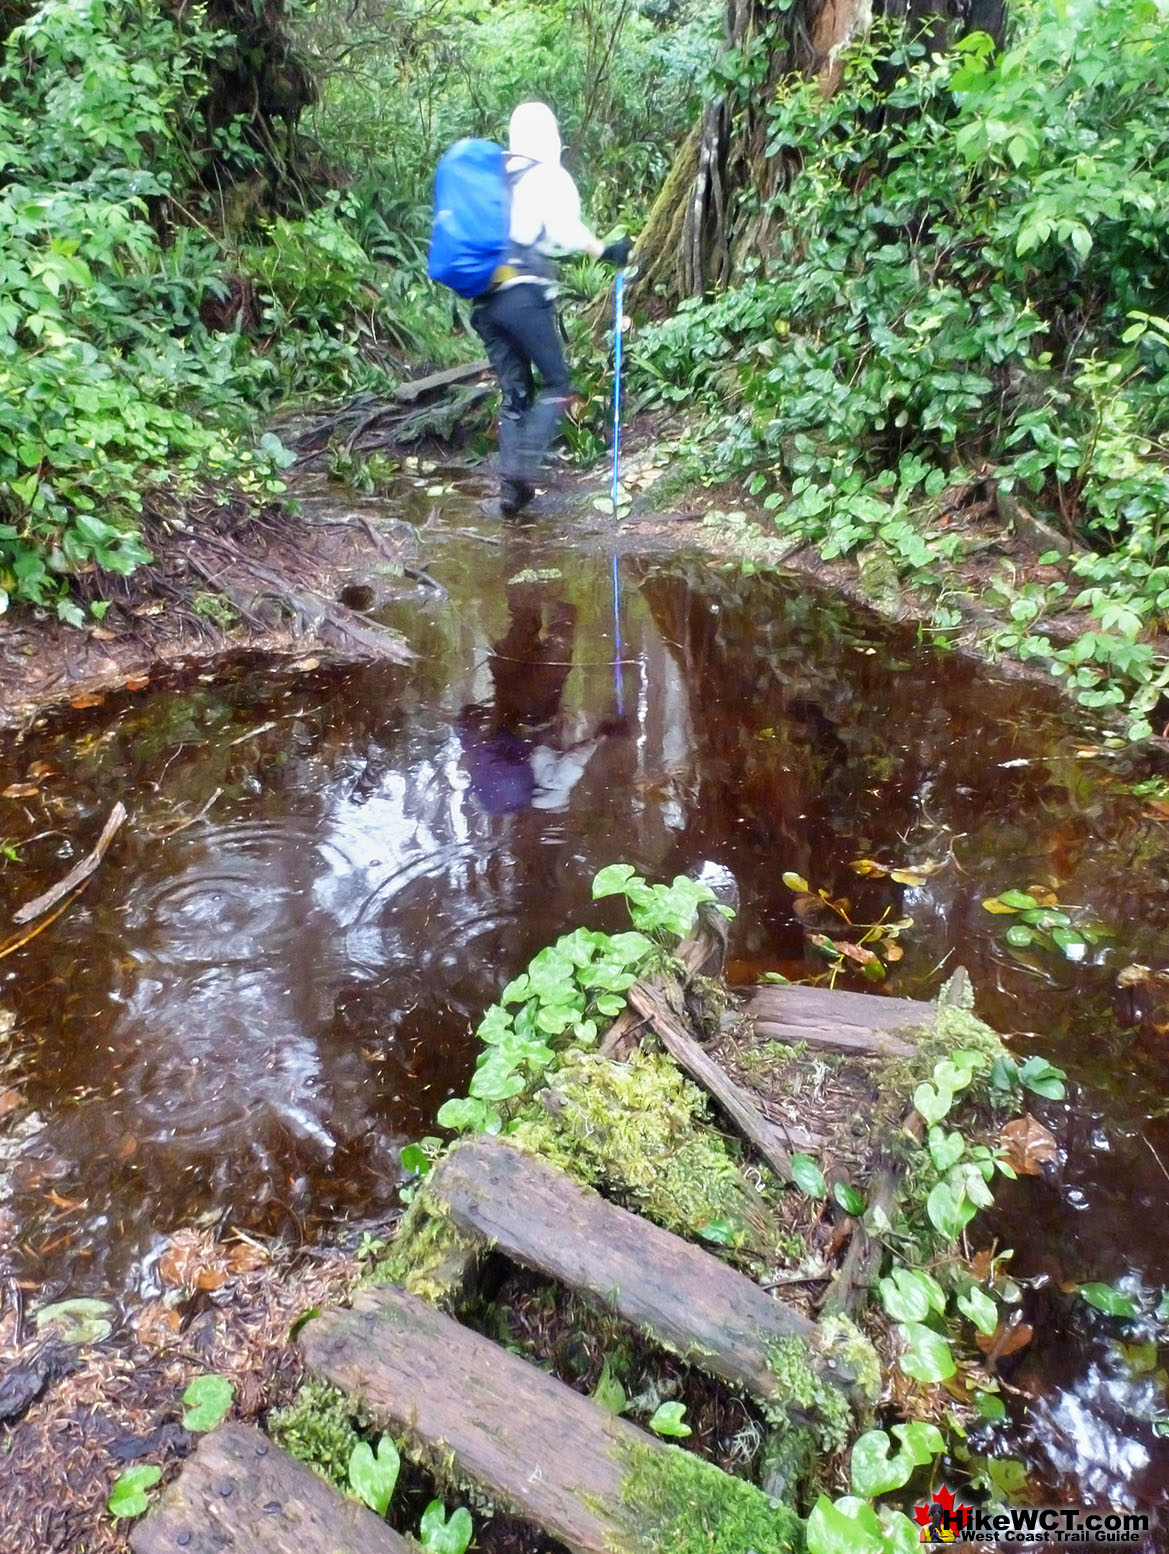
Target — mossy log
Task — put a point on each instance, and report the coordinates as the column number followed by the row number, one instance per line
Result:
column 481, row 1416
column 240, row 1494
column 678, row 1295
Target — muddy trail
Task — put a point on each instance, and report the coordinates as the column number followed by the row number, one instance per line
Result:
column 268, row 986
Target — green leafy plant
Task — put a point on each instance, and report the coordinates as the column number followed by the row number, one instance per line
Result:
column 373, row 1478
column 866, row 947
column 128, row 1496
column 1039, row 920
column 440, row 1534
column 667, row 1419
column 567, row 990
column 961, row 298
column 208, row 1399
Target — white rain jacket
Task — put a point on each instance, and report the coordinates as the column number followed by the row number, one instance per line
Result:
column 545, row 204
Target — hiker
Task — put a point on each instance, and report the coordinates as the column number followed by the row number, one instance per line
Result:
column 516, row 316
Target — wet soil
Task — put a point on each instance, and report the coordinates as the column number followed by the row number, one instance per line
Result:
column 331, row 868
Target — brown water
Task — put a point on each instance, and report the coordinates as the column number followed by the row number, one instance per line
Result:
column 243, row 1022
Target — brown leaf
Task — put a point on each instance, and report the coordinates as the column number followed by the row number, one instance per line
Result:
column 156, row 1323
column 179, row 1265
column 212, row 1277
column 40, row 770
column 9, row 1101
column 136, row 682
column 1028, row 1145
column 1007, row 1338
column 856, row 952
column 88, row 699
column 20, row 790
column 867, row 867
column 245, row 1258
column 126, row 1146
column 893, row 951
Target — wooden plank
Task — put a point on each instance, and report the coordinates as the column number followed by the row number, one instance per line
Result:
column 240, row 1494
column 844, row 1021
column 733, row 1100
column 481, row 1414
column 684, row 1298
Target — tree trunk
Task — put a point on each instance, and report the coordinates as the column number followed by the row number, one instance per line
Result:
column 718, row 205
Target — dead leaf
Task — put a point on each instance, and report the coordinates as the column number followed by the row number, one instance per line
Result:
column 246, row 1258
column 126, row 1146
column 893, row 951
column 88, row 699
column 856, row 952
column 213, row 1277
column 103, row 634
column 136, row 682
column 40, row 770
column 179, row 1265
column 1007, row 1338
column 20, row 790
column 1044, row 896
column 868, row 867
column 1029, row 1146
column 156, row 1323
column 9, row 1101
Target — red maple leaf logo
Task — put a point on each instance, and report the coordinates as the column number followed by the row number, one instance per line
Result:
column 923, row 1514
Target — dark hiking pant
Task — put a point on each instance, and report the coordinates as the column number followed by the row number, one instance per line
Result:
column 518, row 326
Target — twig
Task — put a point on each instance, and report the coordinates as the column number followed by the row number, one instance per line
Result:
column 78, row 874
column 1158, row 1159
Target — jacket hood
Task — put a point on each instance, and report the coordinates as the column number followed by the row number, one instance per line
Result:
column 533, row 132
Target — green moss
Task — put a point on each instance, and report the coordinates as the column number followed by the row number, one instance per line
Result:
column 801, row 1390
column 675, row 1501
column 839, row 1339
column 428, row 1255
column 955, row 1027
column 640, row 1132
column 319, row 1427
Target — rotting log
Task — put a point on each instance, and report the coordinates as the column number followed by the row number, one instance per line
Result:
column 679, row 1295
column 240, row 1494
column 859, row 1023
column 730, row 1097
column 863, row 1256
column 410, row 392
column 701, row 953
column 477, row 1414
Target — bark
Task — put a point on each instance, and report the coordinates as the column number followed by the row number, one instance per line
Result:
column 719, row 205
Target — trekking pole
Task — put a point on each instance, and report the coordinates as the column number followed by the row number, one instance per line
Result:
column 620, row 299
column 619, row 292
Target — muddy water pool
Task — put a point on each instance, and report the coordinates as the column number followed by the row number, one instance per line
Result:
column 242, row 1019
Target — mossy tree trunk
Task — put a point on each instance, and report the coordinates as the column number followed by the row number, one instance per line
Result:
column 718, row 205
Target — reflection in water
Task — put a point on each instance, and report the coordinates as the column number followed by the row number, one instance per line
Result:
column 248, row 1019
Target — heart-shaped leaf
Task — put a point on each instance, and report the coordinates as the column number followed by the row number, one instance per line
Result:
column 208, row 1399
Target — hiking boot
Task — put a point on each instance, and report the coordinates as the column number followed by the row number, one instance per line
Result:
column 514, row 495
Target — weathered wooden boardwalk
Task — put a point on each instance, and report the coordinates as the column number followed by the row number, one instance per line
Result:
column 482, row 1418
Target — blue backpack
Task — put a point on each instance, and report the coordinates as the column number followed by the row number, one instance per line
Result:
column 472, row 216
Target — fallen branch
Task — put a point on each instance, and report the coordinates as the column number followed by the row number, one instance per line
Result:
column 735, row 1102
column 78, row 874
column 702, row 951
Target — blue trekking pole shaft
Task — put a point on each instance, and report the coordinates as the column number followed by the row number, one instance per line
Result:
column 620, row 300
